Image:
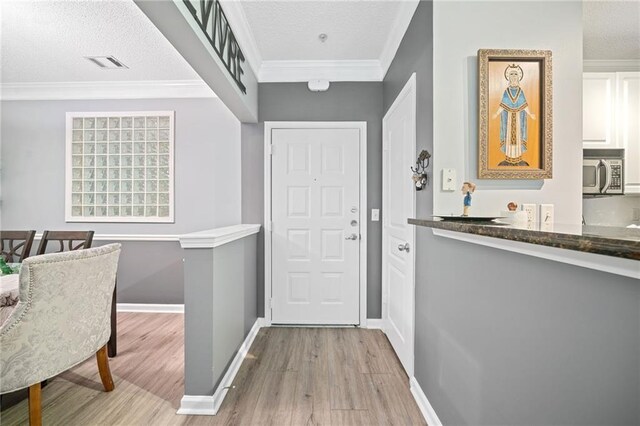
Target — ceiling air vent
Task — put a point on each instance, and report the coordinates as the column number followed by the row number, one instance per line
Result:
column 106, row 62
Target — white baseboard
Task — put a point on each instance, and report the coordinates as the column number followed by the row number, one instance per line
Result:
column 227, row 380
column 375, row 323
column 150, row 307
column 209, row 405
column 197, row 405
column 423, row 403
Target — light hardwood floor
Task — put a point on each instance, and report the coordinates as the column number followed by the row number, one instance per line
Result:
column 291, row 376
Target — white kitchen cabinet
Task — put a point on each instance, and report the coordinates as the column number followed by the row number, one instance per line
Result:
column 628, row 126
column 611, row 118
column 598, row 110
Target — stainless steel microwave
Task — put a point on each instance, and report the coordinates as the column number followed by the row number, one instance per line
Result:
column 603, row 171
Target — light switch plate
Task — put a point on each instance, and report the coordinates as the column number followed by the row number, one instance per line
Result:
column 449, row 179
column 375, row 215
column 546, row 217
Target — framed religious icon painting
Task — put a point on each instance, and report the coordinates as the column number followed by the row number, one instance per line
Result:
column 515, row 107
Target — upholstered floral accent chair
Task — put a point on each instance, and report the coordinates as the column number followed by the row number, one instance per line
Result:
column 61, row 319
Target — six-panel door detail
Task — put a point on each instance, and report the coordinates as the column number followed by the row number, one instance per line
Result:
column 315, row 230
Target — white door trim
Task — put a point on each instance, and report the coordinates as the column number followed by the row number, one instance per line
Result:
column 408, row 90
column 268, row 127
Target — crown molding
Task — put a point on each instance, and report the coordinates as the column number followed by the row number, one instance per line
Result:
column 611, row 65
column 234, row 11
column 297, row 71
column 105, row 90
column 400, row 26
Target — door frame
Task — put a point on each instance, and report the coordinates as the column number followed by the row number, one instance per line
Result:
column 409, row 89
column 362, row 127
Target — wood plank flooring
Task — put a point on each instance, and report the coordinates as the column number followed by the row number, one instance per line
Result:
column 291, row 376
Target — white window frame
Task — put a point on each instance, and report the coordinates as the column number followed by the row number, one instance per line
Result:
column 69, row 168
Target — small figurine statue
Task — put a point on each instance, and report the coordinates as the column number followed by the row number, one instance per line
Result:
column 467, row 189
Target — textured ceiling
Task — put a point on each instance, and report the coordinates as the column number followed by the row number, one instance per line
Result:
column 47, row 40
column 611, row 29
column 288, row 30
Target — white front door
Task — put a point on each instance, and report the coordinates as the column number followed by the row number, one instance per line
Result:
column 315, row 238
column 398, row 239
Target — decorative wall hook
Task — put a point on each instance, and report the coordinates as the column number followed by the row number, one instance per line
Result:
column 420, row 177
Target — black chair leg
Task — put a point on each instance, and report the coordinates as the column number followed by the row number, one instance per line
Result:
column 112, row 344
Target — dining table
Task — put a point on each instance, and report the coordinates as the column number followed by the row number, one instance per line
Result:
column 9, row 295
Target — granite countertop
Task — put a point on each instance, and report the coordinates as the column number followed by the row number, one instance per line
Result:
column 605, row 240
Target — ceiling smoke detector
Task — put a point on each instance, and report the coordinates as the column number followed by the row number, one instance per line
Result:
column 106, row 62
column 323, row 37
column 318, row 85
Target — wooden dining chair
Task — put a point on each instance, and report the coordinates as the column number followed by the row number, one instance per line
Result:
column 77, row 240
column 15, row 246
column 74, row 240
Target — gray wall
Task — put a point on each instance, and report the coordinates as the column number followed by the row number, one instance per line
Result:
column 220, row 309
column 415, row 54
column 207, row 183
column 508, row 339
column 537, row 342
column 252, row 153
column 149, row 272
column 342, row 102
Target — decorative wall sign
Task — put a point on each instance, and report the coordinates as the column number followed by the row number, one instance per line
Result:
column 515, row 114
column 213, row 22
column 119, row 167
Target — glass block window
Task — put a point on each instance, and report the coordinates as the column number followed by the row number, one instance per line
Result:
column 119, row 167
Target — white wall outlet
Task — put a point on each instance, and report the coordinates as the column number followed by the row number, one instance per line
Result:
column 449, row 179
column 532, row 215
column 636, row 214
column 375, row 215
column 546, row 217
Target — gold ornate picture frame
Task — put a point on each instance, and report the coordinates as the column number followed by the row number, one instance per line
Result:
column 515, row 100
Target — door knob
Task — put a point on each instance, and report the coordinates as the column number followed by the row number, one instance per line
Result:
column 351, row 237
column 404, row 247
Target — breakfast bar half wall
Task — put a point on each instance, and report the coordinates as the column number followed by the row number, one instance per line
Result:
column 221, row 321
column 527, row 327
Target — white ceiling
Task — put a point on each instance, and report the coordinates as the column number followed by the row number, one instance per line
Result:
column 280, row 37
column 611, row 29
column 288, row 30
column 47, row 40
